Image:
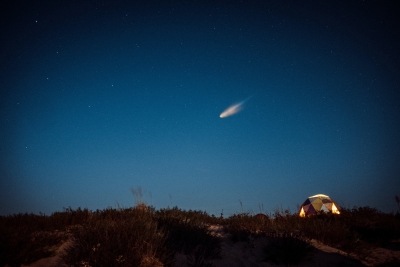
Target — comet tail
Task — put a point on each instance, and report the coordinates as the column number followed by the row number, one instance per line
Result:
column 233, row 109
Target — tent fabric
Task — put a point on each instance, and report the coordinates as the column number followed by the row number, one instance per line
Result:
column 317, row 204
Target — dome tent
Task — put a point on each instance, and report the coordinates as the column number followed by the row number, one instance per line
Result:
column 315, row 204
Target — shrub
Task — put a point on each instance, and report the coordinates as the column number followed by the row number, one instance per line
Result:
column 286, row 248
column 373, row 226
column 24, row 239
column 124, row 238
column 187, row 233
column 142, row 236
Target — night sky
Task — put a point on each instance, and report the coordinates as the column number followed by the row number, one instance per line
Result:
column 98, row 97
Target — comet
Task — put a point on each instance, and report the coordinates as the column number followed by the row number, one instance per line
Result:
column 235, row 108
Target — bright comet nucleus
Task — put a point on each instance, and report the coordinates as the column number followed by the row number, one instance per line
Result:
column 230, row 111
column 233, row 109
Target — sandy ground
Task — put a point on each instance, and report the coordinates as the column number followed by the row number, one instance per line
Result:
column 51, row 261
column 250, row 254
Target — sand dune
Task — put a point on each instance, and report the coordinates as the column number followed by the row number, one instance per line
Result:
column 250, row 254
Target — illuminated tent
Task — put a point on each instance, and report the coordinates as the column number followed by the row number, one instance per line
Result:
column 315, row 204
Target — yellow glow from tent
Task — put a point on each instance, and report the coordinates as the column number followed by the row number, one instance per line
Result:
column 334, row 209
column 302, row 213
column 318, row 195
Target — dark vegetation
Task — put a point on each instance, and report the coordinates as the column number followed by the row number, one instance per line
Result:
column 143, row 236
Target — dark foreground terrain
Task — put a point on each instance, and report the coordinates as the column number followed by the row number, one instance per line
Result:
column 142, row 236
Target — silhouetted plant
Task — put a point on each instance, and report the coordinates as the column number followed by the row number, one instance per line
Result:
column 24, row 239
column 371, row 225
column 286, row 248
column 146, row 237
column 119, row 238
column 198, row 257
column 187, row 232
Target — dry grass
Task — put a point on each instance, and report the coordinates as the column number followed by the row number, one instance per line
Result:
column 143, row 236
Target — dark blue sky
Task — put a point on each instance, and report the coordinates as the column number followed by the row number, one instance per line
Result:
column 98, row 97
